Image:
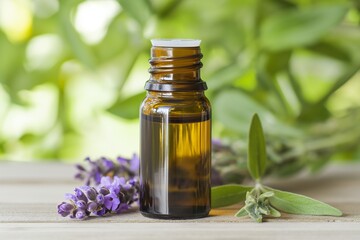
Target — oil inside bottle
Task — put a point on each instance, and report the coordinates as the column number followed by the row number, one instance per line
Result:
column 175, row 160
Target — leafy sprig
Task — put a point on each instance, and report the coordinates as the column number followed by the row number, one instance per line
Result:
column 260, row 200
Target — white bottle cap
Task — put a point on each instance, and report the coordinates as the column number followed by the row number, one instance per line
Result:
column 175, row 42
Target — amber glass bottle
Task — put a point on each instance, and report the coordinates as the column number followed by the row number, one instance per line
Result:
column 175, row 154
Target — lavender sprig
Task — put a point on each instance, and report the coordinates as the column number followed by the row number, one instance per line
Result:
column 111, row 196
column 121, row 167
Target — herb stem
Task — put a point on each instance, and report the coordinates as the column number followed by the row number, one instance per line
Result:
column 328, row 143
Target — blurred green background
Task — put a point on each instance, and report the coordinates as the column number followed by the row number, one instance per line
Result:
column 72, row 72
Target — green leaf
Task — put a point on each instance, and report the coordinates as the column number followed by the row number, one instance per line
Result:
column 242, row 212
column 72, row 37
column 277, row 61
column 256, row 149
column 128, row 108
column 274, row 212
column 287, row 169
column 319, row 163
column 168, row 8
column 331, row 50
column 352, row 70
column 227, row 75
column 299, row 204
column 294, row 28
column 118, row 36
column 235, row 109
column 10, row 64
column 315, row 112
column 227, row 195
column 140, row 10
column 265, row 195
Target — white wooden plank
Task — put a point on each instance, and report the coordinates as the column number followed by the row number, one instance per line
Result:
column 337, row 183
column 18, row 172
column 34, row 193
column 42, row 213
column 184, row 230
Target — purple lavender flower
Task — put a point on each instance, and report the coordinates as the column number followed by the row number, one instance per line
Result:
column 122, row 208
column 135, row 164
column 111, row 201
column 109, row 164
column 122, row 167
column 65, row 208
column 100, row 199
column 80, row 195
column 216, row 142
column 92, row 207
column 69, row 196
column 111, row 196
column 80, row 214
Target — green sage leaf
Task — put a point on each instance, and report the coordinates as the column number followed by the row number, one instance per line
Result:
column 227, row 195
column 256, row 149
column 299, row 204
column 274, row 212
column 242, row 212
column 257, row 205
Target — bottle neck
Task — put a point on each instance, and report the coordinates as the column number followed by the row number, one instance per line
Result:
column 175, row 69
column 175, row 64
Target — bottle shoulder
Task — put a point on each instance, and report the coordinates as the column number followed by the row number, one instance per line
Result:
column 154, row 105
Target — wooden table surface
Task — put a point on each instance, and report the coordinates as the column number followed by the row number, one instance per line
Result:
column 30, row 192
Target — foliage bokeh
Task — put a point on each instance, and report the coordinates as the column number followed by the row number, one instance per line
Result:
column 72, row 72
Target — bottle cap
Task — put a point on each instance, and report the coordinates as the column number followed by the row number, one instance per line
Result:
column 175, row 42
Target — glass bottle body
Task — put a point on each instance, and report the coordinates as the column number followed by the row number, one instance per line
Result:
column 175, row 155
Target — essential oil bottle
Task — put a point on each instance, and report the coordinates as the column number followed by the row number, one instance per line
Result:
column 175, row 148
